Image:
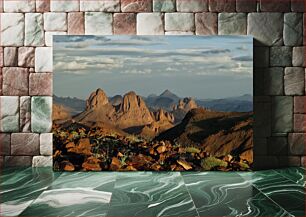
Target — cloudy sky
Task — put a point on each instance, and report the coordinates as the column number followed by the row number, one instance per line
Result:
column 198, row 66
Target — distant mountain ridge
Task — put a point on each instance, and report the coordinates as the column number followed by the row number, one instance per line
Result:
column 75, row 105
column 167, row 101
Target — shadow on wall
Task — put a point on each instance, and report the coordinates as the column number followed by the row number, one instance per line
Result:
column 270, row 114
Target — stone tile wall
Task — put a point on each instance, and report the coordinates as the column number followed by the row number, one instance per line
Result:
column 27, row 27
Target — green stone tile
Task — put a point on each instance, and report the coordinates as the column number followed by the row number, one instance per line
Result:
column 41, row 112
column 102, row 181
column 147, row 187
column 227, row 194
column 132, row 178
column 148, row 192
column 184, row 207
column 296, row 174
column 20, row 187
column 151, row 194
column 70, row 202
column 164, row 5
column 285, row 192
column 75, row 194
column 13, row 173
column 242, row 204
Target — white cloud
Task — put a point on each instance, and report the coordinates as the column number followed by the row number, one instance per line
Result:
column 84, row 65
column 137, row 71
column 74, row 65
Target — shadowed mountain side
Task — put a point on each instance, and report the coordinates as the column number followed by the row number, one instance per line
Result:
column 218, row 133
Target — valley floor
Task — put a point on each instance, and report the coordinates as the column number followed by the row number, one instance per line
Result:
column 42, row 192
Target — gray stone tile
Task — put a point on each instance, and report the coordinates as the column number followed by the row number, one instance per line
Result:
column 298, row 56
column 191, row 5
column 281, row 56
column 294, row 81
column 232, row 24
column 9, row 116
column 293, row 29
column 282, row 117
column 296, row 143
column 267, row 28
column 274, row 81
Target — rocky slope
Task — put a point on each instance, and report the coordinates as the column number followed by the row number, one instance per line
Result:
column 60, row 113
column 217, row 133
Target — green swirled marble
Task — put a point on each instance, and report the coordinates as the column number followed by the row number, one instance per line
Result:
column 81, row 194
column 20, row 187
column 284, row 191
column 41, row 111
column 296, row 174
column 42, row 192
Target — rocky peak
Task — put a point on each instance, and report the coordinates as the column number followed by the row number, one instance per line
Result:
column 131, row 101
column 187, row 104
column 162, row 115
column 133, row 112
column 96, row 99
column 167, row 93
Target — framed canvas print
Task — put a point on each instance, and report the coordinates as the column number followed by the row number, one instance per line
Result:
column 156, row 103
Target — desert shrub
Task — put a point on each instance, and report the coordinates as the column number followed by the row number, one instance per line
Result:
column 134, row 138
column 244, row 166
column 192, row 149
column 212, row 162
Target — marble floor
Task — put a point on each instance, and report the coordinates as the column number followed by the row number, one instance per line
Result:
column 42, row 192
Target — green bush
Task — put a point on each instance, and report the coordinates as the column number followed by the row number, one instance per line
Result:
column 193, row 150
column 212, row 162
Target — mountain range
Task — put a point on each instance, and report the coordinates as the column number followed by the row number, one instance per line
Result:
column 167, row 100
column 128, row 114
column 163, row 118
